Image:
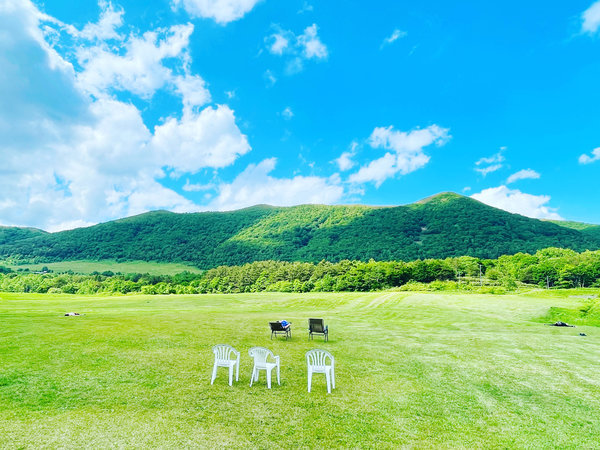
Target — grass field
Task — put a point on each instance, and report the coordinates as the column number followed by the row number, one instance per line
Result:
column 87, row 267
column 418, row 370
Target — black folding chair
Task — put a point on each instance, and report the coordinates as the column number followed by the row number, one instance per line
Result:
column 277, row 328
column 317, row 326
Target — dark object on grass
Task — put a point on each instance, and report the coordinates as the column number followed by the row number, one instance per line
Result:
column 582, row 334
column 561, row 324
column 317, row 326
column 278, row 328
column 72, row 314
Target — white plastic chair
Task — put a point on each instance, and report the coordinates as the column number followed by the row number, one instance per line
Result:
column 317, row 363
column 223, row 359
column 260, row 355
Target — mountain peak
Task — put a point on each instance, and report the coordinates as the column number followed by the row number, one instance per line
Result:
column 442, row 197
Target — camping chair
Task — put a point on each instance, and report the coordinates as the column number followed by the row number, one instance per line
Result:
column 260, row 355
column 277, row 328
column 223, row 359
column 317, row 363
column 317, row 326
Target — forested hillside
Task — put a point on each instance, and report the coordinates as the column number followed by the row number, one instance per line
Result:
column 441, row 226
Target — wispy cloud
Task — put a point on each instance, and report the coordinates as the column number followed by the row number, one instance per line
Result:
column 590, row 19
column 523, row 175
column 297, row 48
column 491, row 163
column 396, row 34
column 306, row 7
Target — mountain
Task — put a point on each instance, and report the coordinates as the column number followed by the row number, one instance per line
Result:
column 586, row 228
column 444, row 225
column 12, row 234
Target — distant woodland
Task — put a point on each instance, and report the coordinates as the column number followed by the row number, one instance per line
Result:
column 549, row 268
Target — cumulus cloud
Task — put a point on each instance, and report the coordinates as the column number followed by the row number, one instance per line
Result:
column 523, row 175
column 72, row 153
column 590, row 19
column 208, row 139
column 297, row 48
column 396, row 34
column 221, row 11
column 515, row 201
column 345, row 161
column 586, row 159
column 406, row 152
column 254, row 186
column 140, row 70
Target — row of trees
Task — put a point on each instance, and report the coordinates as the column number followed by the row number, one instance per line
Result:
column 552, row 267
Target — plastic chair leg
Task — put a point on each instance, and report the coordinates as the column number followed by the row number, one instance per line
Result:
column 328, row 378
column 309, row 379
column 252, row 376
column 230, row 375
column 214, row 374
column 332, row 377
column 278, row 377
column 268, row 379
column 237, row 370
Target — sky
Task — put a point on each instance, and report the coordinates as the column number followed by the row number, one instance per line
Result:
column 111, row 109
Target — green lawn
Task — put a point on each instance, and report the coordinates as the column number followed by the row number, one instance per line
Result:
column 87, row 267
column 412, row 370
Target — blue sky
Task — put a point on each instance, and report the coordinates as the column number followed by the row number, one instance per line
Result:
column 109, row 109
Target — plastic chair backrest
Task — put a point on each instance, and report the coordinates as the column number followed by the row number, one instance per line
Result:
column 260, row 354
column 316, row 325
column 223, row 351
column 318, row 357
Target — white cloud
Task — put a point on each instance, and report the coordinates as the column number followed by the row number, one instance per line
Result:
column 345, row 162
column 193, row 91
column 490, row 164
column 70, row 158
column 221, row 11
column 591, row 18
column 297, row 48
column 306, row 7
column 515, row 201
column 311, row 43
column 496, row 158
column 208, row 139
column 489, row 169
column 523, row 175
column 287, row 113
column 407, row 153
column 396, row 34
column 197, row 187
column 140, row 70
column 586, row 159
column 279, row 43
column 270, row 79
column 255, row 186
column 110, row 20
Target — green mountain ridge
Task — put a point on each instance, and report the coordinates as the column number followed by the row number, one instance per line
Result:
column 439, row 226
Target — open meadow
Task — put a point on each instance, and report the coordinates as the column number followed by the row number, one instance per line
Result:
column 416, row 370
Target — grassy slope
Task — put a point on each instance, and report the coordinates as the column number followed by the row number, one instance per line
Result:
column 438, row 227
column 87, row 267
column 416, row 370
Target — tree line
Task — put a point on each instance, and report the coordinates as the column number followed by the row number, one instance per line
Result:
column 551, row 268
